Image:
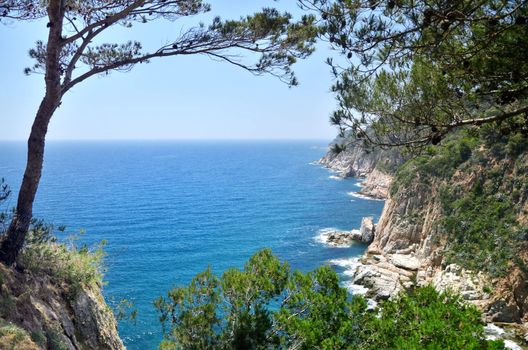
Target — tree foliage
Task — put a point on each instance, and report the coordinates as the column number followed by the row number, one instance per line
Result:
column 268, row 306
column 416, row 70
column 272, row 35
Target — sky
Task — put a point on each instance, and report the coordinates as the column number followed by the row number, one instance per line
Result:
column 171, row 98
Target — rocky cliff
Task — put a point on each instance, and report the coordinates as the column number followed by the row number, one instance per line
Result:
column 377, row 166
column 52, row 315
column 457, row 218
column 52, row 298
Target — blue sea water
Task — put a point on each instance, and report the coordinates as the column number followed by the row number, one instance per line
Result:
column 170, row 209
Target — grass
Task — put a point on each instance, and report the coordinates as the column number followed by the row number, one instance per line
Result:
column 15, row 338
column 66, row 262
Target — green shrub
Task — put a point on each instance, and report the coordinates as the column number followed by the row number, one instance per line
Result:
column 267, row 306
column 482, row 227
column 426, row 319
column 436, row 162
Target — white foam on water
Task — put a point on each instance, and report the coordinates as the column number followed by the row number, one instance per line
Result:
column 349, row 264
column 355, row 289
column 334, row 177
column 362, row 196
column 510, row 344
column 346, row 263
column 493, row 330
column 322, row 237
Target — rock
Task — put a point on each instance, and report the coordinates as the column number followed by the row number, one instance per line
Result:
column 503, row 311
column 367, row 229
column 356, row 161
column 97, row 327
column 341, row 238
column 381, row 283
column 377, row 184
column 58, row 316
column 406, row 262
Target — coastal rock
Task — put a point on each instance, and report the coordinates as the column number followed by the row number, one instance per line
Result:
column 350, row 163
column 406, row 262
column 357, row 161
column 337, row 238
column 409, row 244
column 377, row 184
column 382, row 283
column 56, row 318
column 367, row 229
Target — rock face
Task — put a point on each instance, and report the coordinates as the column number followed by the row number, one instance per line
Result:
column 377, row 185
column 353, row 162
column 407, row 247
column 376, row 166
column 367, row 229
column 404, row 252
column 56, row 319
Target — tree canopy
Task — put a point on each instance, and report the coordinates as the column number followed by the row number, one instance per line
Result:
column 414, row 71
column 272, row 35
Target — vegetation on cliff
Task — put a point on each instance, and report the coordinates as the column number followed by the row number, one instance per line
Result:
column 52, row 298
column 266, row 305
column 483, row 188
column 14, row 338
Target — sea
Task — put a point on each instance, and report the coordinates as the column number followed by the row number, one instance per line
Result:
column 170, row 209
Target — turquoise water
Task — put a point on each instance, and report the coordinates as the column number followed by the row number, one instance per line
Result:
column 170, row 209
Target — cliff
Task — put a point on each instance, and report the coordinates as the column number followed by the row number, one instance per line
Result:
column 376, row 165
column 457, row 218
column 41, row 308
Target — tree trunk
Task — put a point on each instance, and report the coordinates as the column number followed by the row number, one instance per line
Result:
column 16, row 233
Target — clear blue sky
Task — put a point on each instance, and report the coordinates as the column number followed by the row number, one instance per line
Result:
column 173, row 98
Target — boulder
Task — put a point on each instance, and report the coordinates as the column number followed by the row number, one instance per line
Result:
column 341, row 238
column 367, row 229
column 406, row 262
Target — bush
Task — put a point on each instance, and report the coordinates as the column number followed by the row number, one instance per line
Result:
column 267, row 306
column 426, row 319
column 482, row 228
column 436, row 162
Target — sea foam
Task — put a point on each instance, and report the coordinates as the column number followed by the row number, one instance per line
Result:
column 362, row 196
column 322, row 237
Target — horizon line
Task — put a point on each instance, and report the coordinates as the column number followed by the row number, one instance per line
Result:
column 174, row 139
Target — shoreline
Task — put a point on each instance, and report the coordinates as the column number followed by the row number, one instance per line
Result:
column 381, row 273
